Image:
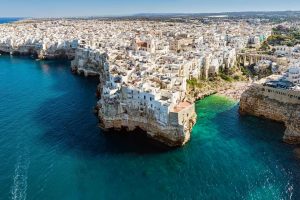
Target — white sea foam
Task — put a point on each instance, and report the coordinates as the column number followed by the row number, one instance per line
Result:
column 19, row 187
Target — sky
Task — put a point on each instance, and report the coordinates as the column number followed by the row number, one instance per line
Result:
column 73, row 8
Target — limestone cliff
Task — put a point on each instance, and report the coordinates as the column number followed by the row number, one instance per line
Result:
column 112, row 116
column 254, row 102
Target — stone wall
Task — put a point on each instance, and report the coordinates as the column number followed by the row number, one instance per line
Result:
column 281, row 95
column 179, row 118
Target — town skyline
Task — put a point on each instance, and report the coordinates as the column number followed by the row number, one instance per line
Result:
column 76, row 8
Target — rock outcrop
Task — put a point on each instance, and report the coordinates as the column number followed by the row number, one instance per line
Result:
column 120, row 112
column 253, row 102
column 173, row 130
column 112, row 117
column 38, row 53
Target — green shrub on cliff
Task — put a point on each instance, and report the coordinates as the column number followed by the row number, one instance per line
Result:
column 245, row 71
column 225, row 77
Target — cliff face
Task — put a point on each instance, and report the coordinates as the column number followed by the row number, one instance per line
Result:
column 112, row 116
column 254, row 103
column 31, row 50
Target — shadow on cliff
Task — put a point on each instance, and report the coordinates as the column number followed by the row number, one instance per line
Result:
column 69, row 124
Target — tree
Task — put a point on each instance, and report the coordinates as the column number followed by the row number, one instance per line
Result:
column 265, row 46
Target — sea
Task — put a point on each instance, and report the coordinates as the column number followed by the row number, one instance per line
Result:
column 8, row 20
column 51, row 147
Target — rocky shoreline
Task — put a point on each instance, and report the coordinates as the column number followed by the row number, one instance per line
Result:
column 168, row 135
column 143, row 75
column 235, row 91
column 254, row 103
column 251, row 102
column 69, row 55
column 153, row 130
column 232, row 91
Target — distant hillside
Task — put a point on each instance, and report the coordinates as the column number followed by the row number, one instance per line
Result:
column 229, row 14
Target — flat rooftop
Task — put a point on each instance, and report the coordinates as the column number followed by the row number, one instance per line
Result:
column 181, row 106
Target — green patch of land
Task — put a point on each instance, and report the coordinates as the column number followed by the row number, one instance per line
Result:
column 284, row 36
column 224, row 80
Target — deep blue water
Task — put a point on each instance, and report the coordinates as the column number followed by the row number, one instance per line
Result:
column 51, row 147
column 8, row 20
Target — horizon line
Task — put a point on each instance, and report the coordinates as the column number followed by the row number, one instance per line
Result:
column 148, row 13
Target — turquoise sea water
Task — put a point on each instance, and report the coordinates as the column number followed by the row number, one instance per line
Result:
column 51, row 147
